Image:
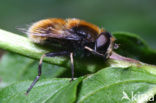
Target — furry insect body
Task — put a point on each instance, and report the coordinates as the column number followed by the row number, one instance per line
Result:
column 76, row 38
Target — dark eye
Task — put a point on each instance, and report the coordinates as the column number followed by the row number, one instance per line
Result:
column 103, row 42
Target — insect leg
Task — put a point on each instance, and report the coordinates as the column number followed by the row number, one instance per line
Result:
column 40, row 66
column 72, row 65
column 94, row 52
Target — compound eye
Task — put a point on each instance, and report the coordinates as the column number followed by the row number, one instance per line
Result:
column 101, row 40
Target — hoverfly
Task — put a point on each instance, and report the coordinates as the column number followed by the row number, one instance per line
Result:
column 73, row 35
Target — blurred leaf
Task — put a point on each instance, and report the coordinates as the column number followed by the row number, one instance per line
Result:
column 53, row 91
column 111, row 85
column 130, row 45
column 14, row 67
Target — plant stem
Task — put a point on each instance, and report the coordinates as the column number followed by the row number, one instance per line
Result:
column 22, row 45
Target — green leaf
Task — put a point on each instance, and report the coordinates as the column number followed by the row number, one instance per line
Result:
column 111, row 85
column 53, row 91
column 14, row 67
column 131, row 45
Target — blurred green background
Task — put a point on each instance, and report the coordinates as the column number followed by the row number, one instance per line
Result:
column 136, row 16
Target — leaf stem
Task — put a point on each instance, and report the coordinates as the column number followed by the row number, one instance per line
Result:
column 22, row 45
